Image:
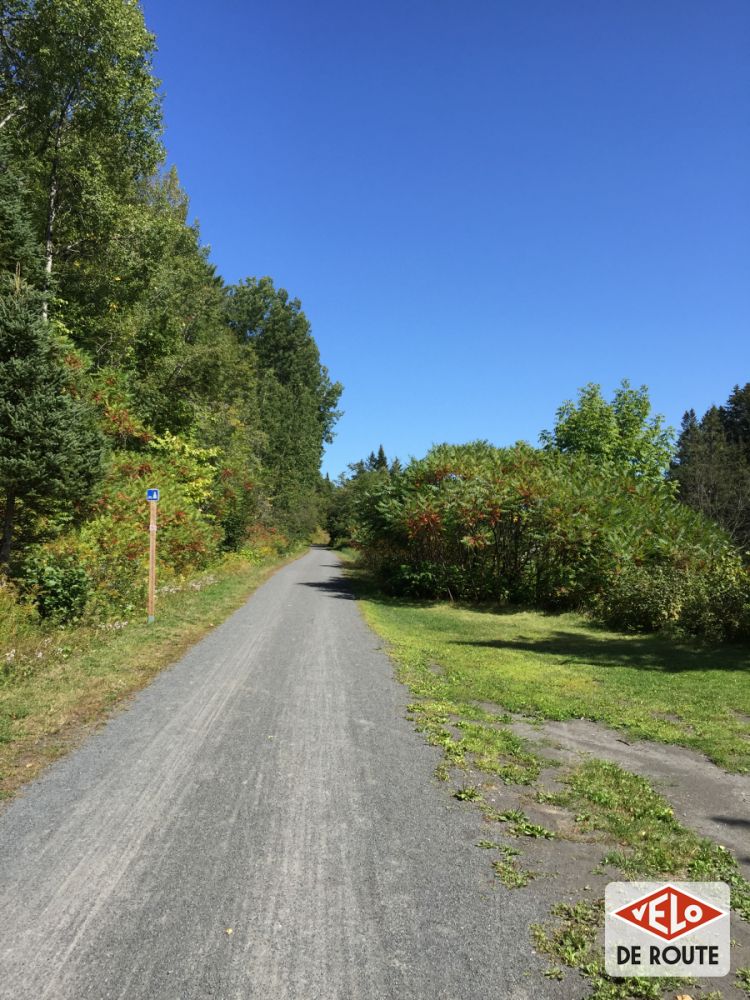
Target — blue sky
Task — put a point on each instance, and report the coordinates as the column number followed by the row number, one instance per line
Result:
column 482, row 206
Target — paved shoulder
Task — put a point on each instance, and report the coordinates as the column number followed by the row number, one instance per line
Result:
column 261, row 822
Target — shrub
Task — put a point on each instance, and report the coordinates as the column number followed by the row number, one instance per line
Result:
column 555, row 531
column 59, row 586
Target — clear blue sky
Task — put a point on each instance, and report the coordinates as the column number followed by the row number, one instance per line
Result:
column 482, row 205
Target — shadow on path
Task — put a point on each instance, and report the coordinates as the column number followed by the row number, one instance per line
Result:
column 336, row 587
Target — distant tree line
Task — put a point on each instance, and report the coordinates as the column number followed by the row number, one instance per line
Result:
column 125, row 360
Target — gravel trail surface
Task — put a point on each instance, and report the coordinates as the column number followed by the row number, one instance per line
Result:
column 262, row 821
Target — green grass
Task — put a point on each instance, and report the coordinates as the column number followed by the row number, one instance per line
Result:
column 573, row 940
column 469, row 668
column 57, row 684
column 563, row 667
column 482, row 744
column 652, row 843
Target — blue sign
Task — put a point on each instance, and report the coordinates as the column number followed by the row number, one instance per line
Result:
column 152, row 495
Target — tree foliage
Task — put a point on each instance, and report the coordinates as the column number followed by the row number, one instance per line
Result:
column 622, row 434
column 712, row 464
column 297, row 400
column 125, row 362
column 555, row 530
column 50, row 446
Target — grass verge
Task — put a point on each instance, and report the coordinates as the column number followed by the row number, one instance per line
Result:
column 57, row 684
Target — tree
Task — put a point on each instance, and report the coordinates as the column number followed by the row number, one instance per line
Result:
column 19, row 249
column 379, row 462
column 81, row 107
column 349, row 492
column 620, row 434
column 712, row 465
column 297, row 399
column 50, row 447
column 735, row 418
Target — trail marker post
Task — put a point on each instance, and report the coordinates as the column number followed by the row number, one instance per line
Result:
column 152, row 496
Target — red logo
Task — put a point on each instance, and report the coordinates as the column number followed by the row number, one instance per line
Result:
column 669, row 913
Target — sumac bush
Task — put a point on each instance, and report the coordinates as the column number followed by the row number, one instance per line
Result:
column 556, row 531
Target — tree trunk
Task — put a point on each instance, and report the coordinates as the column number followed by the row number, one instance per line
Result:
column 49, row 246
column 52, row 195
column 7, row 539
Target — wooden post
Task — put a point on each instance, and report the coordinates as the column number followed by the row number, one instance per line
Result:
column 152, row 561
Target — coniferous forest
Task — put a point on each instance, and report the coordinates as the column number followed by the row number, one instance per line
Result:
column 125, row 360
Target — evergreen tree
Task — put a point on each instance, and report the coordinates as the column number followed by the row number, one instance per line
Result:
column 379, row 461
column 18, row 247
column 50, row 447
column 712, row 467
column 735, row 418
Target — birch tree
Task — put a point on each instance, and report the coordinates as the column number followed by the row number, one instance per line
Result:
column 80, row 101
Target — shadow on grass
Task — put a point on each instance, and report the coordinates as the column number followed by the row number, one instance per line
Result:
column 648, row 652
column 645, row 652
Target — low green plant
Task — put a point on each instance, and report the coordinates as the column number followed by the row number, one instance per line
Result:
column 468, row 793
column 519, row 824
column 654, row 844
column 509, row 873
column 58, row 585
column 573, row 940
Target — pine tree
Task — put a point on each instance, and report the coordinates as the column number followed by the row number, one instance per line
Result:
column 712, row 470
column 50, row 447
column 735, row 418
column 18, row 247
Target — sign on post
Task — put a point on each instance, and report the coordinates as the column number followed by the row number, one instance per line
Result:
column 152, row 496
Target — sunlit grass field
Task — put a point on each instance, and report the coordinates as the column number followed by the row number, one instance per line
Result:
column 562, row 667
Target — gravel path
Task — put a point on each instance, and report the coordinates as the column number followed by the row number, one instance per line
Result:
column 261, row 821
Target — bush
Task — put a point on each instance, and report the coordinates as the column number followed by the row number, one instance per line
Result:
column 58, row 585
column 712, row 605
column 555, row 531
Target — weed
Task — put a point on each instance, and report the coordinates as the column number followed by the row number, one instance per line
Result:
column 511, row 875
column 506, row 868
column 573, row 940
column 468, row 793
column 554, row 972
column 519, row 824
